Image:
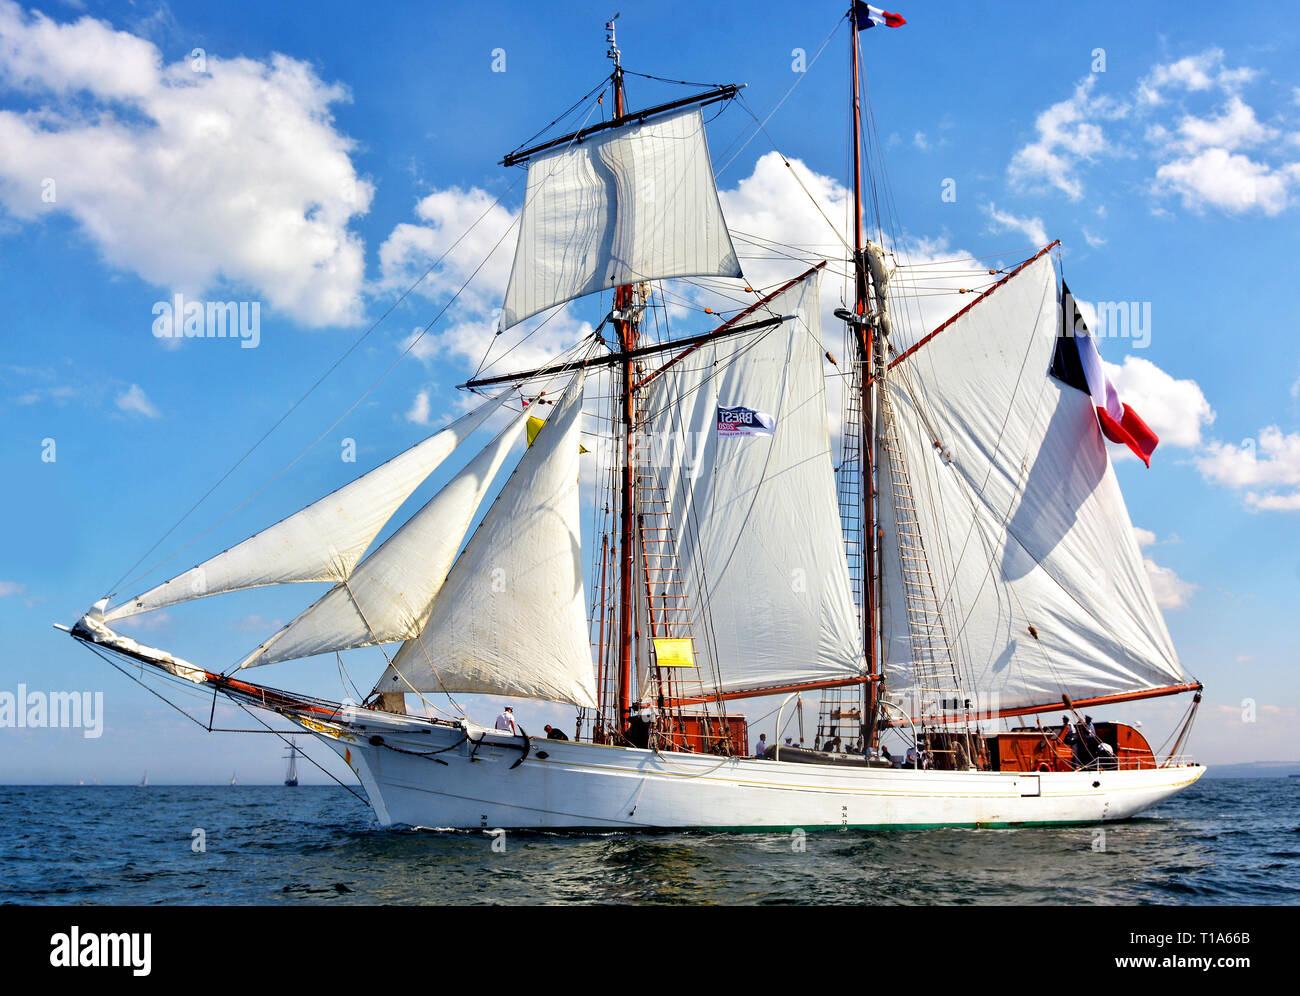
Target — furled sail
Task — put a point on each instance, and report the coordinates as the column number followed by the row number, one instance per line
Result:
column 390, row 594
column 1034, row 563
column 325, row 540
column 511, row 617
column 741, row 446
column 632, row 204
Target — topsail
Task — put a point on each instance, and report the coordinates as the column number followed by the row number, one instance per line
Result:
column 633, row 204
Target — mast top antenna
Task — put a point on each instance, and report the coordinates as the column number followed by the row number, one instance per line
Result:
column 613, row 52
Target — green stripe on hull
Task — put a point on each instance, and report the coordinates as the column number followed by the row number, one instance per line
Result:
column 820, row 828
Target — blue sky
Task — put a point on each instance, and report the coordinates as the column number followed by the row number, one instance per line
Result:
column 312, row 163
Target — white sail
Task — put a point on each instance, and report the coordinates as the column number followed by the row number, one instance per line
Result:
column 322, row 542
column 1022, row 518
column 632, row 204
column 511, row 617
column 755, row 512
column 389, row 595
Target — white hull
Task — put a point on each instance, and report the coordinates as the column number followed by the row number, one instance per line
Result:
column 592, row 787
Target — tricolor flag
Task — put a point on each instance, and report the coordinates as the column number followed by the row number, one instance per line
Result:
column 1077, row 362
column 868, row 16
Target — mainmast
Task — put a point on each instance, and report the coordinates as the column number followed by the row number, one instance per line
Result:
column 863, row 335
column 626, row 330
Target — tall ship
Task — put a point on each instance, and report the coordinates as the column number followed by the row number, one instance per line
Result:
column 291, row 772
column 917, row 531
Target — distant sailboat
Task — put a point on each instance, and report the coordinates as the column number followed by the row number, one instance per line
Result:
column 232, row 778
column 144, row 780
column 291, row 776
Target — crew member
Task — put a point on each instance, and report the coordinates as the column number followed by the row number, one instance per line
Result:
column 506, row 722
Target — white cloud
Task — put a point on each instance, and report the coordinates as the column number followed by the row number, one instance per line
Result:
column 446, row 216
column 1198, row 159
column 1095, row 241
column 1198, row 72
column 1171, row 591
column 1226, row 180
column 134, row 401
column 921, row 142
column 1237, row 127
column 1273, row 502
column 8, row 588
column 1001, row 221
column 419, row 410
column 1176, row 410
column 189, row 179
column 485, row 253
column 1069, row 133
column 1266, row 469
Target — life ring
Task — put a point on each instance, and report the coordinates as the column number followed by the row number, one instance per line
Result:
column 1044, row 766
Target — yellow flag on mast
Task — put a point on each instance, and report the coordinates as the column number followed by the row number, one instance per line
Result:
column 535, row 426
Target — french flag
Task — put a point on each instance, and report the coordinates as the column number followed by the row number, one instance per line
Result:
column 1077, row 362
column 868, row 16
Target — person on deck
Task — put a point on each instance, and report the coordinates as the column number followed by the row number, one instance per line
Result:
column 638, row 730
column 760, row 750
column 1091, row 744
column 555, row 733
column 1068, row 738
column 506, row 722
column 910, row 758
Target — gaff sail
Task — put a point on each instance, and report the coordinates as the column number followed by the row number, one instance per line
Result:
column 741, row 446
column 1037, row 572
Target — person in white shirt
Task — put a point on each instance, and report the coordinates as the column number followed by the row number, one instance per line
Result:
column 761, row 749
column 506, row 722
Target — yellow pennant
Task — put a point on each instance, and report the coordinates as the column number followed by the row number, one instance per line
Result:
column 675, row 652
column 535, row 426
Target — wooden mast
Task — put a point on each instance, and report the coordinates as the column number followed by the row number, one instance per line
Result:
column 864, row 338
column 625, row 329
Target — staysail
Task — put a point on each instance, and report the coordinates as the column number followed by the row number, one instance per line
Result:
column 741, row 446
column 1038, row 575
column 390, row 594
column 325, row 540
column 632, row 204
column 511, row 617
